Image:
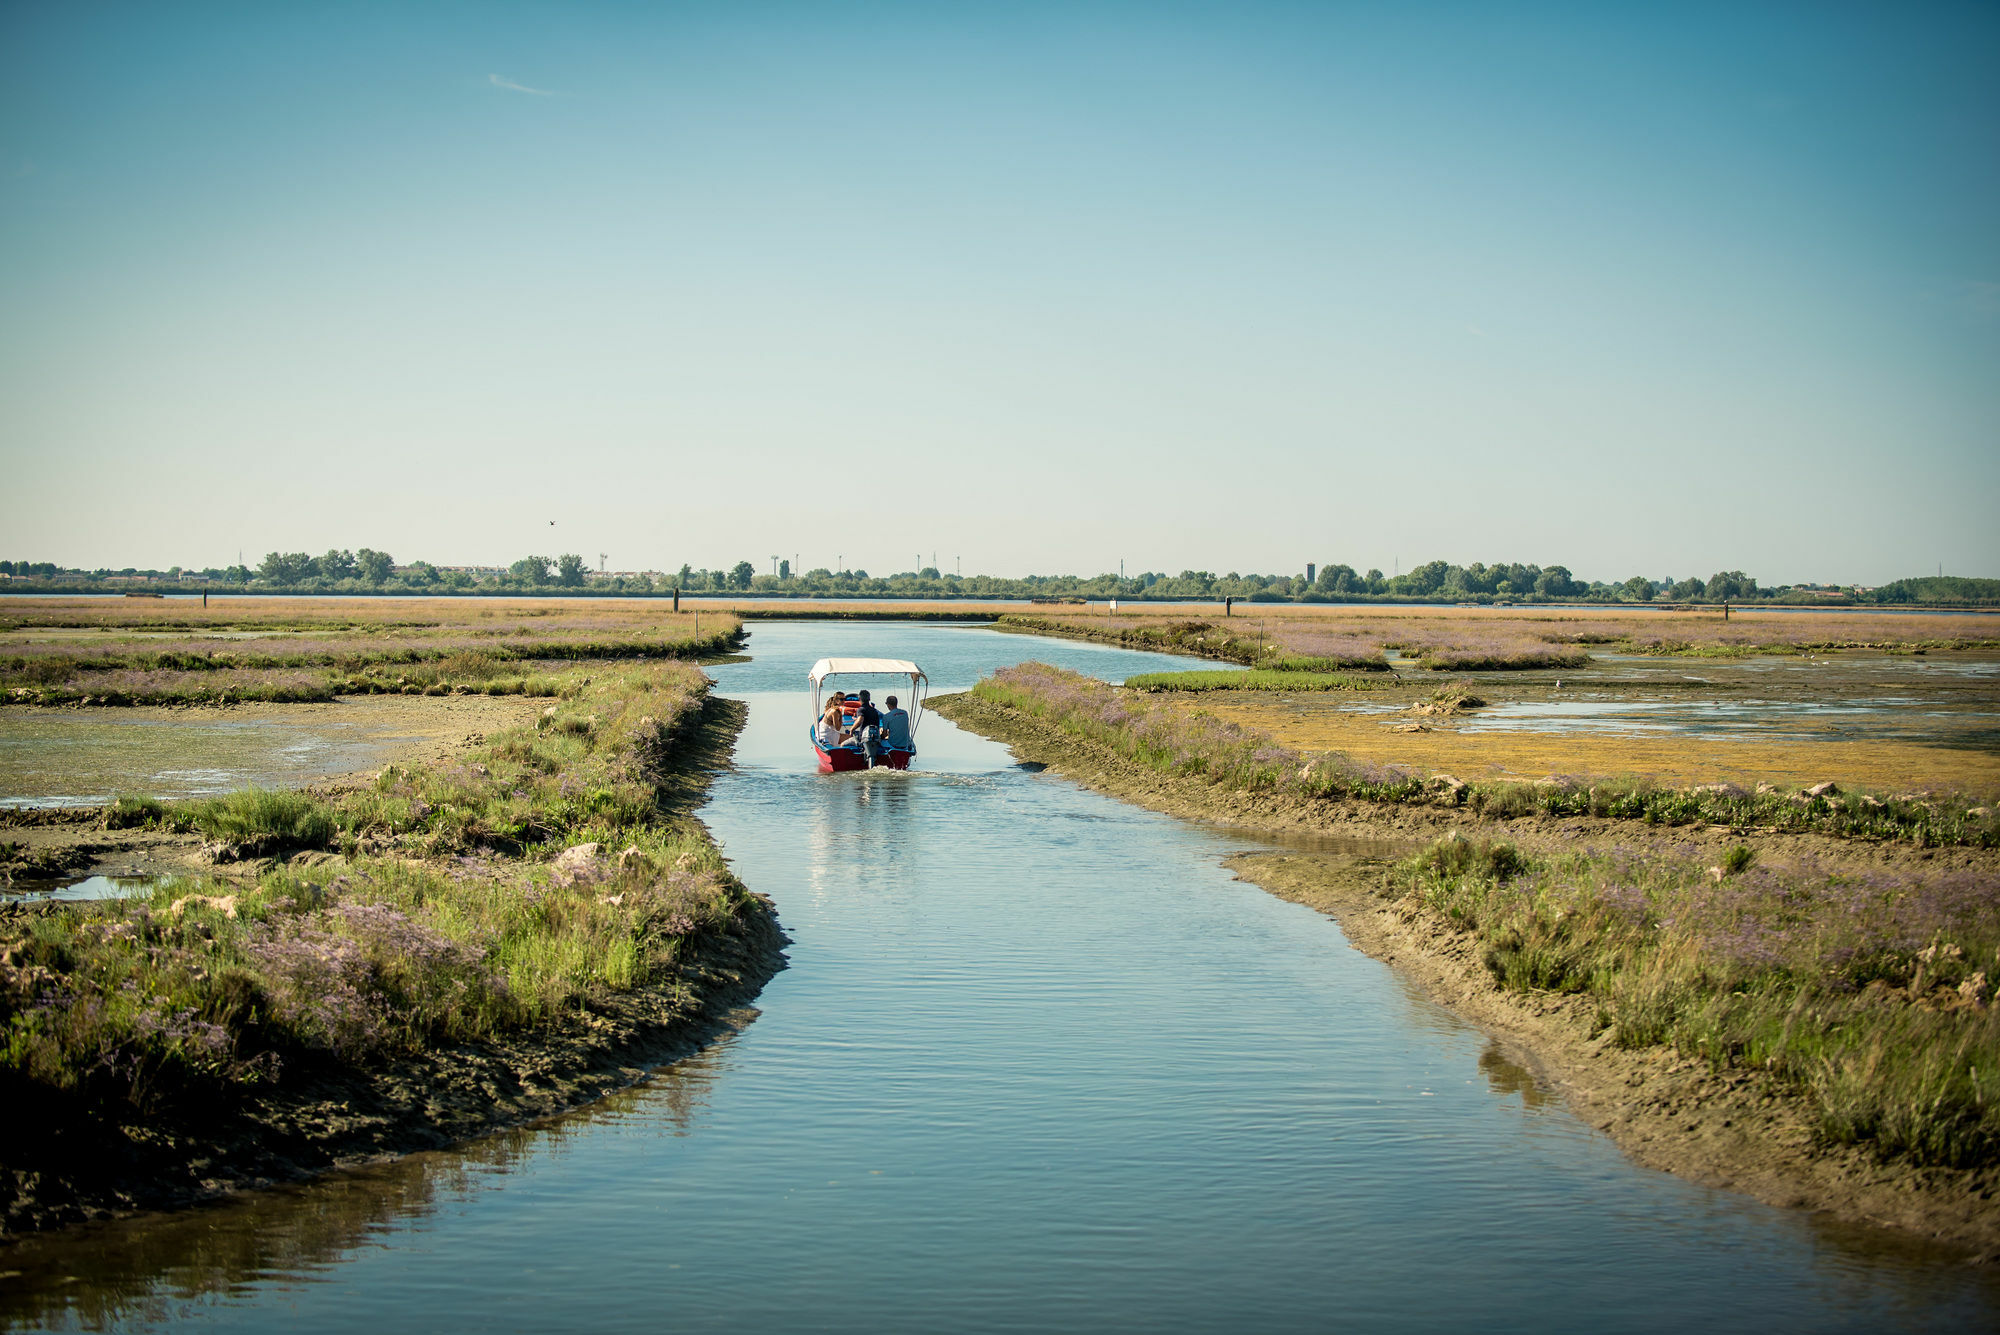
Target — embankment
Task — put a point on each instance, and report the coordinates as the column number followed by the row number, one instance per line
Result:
column 1725, row 1127
column 1195, row 636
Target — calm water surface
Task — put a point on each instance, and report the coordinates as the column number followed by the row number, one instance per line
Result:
column 1038, row 1063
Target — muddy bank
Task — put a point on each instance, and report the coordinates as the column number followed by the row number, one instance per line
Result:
column 58, row 1168
column 1731, row 1129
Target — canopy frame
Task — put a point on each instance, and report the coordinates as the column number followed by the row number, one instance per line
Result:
column 920, row 685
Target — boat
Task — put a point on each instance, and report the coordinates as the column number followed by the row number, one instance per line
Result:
column 851, row 757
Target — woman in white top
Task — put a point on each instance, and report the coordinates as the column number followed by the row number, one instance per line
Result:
column 827, row 735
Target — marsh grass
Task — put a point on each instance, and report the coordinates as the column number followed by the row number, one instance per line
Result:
column 137, row 686
column 426, row 932
column 1489, row 655
column 1233, row 644
column 1870, row 993
column 1177, row 737
column 263, row 819
column 1498, row 639
column 1250, row 679
column 135, row 812
column 1446, row 701
column 1322, row 663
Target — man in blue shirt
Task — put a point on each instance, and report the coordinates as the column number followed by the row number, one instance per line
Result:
column 896, row 728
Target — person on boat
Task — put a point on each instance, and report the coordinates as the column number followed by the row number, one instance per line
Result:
column 867, row 729
column 896, row 728
column 828, row 735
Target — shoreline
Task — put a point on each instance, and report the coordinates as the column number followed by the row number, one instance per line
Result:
column 1728, row 1129
column 180, row 591
column 339, row 1116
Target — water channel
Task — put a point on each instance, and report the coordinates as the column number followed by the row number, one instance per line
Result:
column 1037, row 1063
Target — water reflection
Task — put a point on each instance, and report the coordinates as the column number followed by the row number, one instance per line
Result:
column 1507, row 1077
column 90, row 887
column 868, row 827
column 156, row 1269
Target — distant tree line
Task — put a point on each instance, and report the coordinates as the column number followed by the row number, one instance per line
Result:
column 367, row 565
column 366, row 570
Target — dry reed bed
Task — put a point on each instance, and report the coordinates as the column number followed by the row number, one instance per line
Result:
column 355, row 648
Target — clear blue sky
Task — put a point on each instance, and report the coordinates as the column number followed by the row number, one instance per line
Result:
column 1641, row 289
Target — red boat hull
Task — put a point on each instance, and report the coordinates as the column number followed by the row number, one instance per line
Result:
column 842, row 759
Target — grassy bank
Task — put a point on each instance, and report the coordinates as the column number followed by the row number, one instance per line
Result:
column 1179, row 739
column 1240, row 640
column 511, row 894
column 1868, row 994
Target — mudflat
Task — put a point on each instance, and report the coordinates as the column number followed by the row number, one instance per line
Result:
column 70, row 755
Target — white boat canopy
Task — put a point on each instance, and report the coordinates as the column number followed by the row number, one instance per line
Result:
column 880, row 667
column 873, row 667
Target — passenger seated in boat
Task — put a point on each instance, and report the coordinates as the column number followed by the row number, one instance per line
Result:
column 828, row 734
column 896, row 728
column 866, row 729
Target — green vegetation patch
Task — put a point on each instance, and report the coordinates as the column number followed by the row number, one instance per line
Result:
column 1870, row 993
column 264, row 820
